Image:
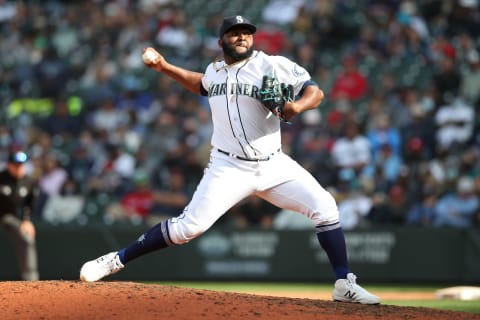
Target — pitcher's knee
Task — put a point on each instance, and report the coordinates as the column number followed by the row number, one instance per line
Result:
column 325, row 217
column 181, row 233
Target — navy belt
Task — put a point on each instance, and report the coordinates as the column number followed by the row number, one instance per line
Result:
column 244, row 158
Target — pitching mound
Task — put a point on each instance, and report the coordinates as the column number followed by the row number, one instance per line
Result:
column 128, row 300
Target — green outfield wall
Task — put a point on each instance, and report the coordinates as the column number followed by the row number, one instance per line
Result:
column 380, row 255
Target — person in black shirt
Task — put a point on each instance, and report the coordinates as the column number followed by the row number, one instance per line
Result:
column 17, row 195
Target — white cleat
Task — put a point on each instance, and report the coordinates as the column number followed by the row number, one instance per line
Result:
column 347, row 290
column 97, row 269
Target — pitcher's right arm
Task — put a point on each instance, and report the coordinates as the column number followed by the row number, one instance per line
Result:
column 190, row 80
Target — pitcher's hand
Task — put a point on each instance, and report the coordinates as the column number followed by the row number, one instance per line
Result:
column 153, row 59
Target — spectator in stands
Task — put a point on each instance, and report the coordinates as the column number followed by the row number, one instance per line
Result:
column 376, row 105
column 171, row 197
column 414, row 32
column 40, row 144
column 313, row 146
column 163, row 135
column 145, row 204
column 423, row 213
column 369, row 43
column 281, row 11
column 303, row 22
column 470, row 79
column 271, row 39
column 8, row 11
column 390, row 208
column 402, row 112
column 341, row 113
column 60, row 121
column 384, row 133
column 385, row 164
column 351, row 83
column 51, row 180
column 466, row 49
column 97, row 80
column 113, row 173
column 107, row 117
column 51, row 73
column 176, row 33
column 306, row 56
column 53, row 176
column 446, row 78
column 80, row 166
column 469, row 164
column 418, row 136
column 458, row 208
column 66, row 206
column 463, row 16
column 5, row 141
column 352, row 152
column 454, row 126
column 354, row 208
column 134, row 205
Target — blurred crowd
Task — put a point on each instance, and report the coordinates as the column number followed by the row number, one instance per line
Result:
column 396, row 140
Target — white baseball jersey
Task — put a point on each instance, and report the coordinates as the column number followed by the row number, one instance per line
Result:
column 241, row 124
column 245, row 128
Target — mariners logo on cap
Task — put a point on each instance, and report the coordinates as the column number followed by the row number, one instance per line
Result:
column 233, row 21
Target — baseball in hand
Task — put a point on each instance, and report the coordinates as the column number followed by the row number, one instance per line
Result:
column 149, row 56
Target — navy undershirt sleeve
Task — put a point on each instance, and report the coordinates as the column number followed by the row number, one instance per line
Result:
column 306, row 84
column 203, row 92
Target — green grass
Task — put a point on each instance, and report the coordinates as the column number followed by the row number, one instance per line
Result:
column 444, row 304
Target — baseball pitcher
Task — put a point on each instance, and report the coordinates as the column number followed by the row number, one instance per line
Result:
column 250, row 94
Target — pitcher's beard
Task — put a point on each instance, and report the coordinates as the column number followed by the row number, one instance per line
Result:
column 230, row 51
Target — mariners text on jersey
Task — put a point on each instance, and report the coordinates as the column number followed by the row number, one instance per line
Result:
column 246, row 89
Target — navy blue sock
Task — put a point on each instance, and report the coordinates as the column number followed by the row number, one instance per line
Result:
column 154, row 239
column 332, row 240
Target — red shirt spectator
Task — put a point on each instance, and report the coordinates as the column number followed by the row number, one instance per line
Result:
column 351, row 84
column 138, row 202
column 270, row 39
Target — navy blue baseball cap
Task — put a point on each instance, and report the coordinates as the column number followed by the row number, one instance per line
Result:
column 234, row 21
column 17, row 157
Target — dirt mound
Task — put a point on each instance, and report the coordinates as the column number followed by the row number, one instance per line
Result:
column 128, row 300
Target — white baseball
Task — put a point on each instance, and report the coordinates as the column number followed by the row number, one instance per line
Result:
column 149, row 56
